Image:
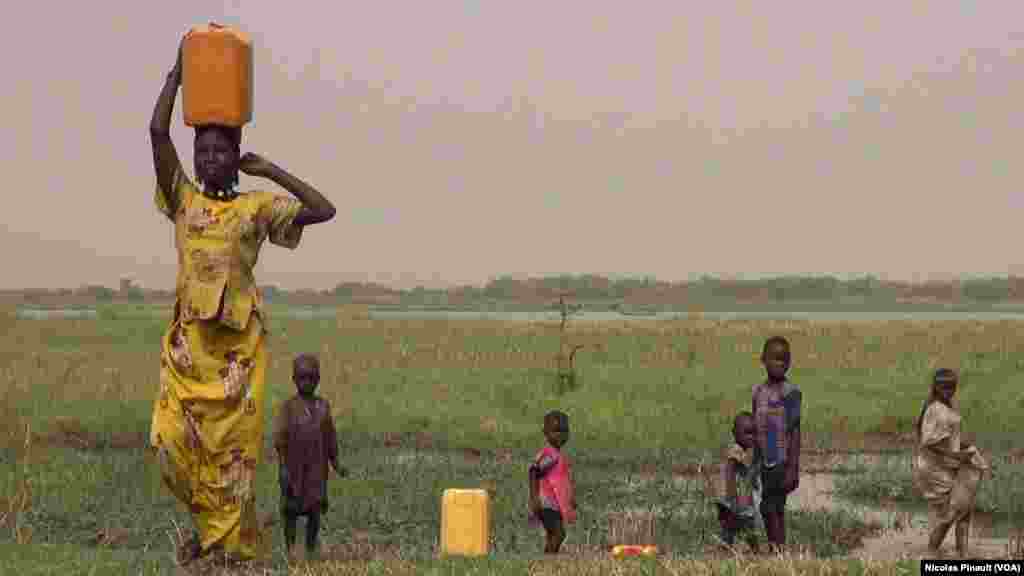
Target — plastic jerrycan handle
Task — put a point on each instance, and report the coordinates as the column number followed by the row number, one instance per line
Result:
column 212, row 25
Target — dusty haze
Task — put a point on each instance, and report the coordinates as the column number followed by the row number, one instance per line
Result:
column 464, row 139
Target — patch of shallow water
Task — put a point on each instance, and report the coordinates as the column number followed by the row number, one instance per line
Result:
column 817, row 492
column 46, row 314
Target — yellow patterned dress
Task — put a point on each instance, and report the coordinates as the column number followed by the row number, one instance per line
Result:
column 207, row 428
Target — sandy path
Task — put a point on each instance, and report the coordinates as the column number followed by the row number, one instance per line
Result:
column 904, row 535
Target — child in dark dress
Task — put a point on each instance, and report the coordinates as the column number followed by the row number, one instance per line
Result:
column 306, row 442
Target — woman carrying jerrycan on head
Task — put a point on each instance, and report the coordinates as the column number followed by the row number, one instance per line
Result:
column 207, row 425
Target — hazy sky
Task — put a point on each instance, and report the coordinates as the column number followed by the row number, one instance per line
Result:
column 461, row 139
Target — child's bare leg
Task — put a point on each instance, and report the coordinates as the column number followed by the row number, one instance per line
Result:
column 780, row 529
column 768, row 514
column 312, row 530
column 290, row 525
column 773, row 526
column 555, row 537
column 561, row 539
column 752, row 542
column 769, row 525
column 725, row 522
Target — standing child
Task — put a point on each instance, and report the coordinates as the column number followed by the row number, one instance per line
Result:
column 741, row 484
column 776, row 406
column 552, row 497
column 306, row 441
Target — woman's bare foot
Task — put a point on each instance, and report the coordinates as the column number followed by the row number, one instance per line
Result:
column 189, row 550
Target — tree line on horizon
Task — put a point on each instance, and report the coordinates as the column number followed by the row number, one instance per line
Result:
column 593, row 287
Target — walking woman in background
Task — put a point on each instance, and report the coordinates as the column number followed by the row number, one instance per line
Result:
column 207, row 427
column 946, row 472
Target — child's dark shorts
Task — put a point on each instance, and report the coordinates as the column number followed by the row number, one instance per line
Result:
column 773, row 489
column 551, row 520
column 292, row 506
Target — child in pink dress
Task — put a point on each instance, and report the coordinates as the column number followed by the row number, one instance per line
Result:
column 552, row 498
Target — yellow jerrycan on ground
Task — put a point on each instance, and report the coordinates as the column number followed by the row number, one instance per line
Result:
column 465, row 522
column 217, row 76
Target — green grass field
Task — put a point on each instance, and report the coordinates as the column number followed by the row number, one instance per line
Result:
column 426, row 405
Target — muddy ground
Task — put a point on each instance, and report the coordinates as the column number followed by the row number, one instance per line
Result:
column 904, row 534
